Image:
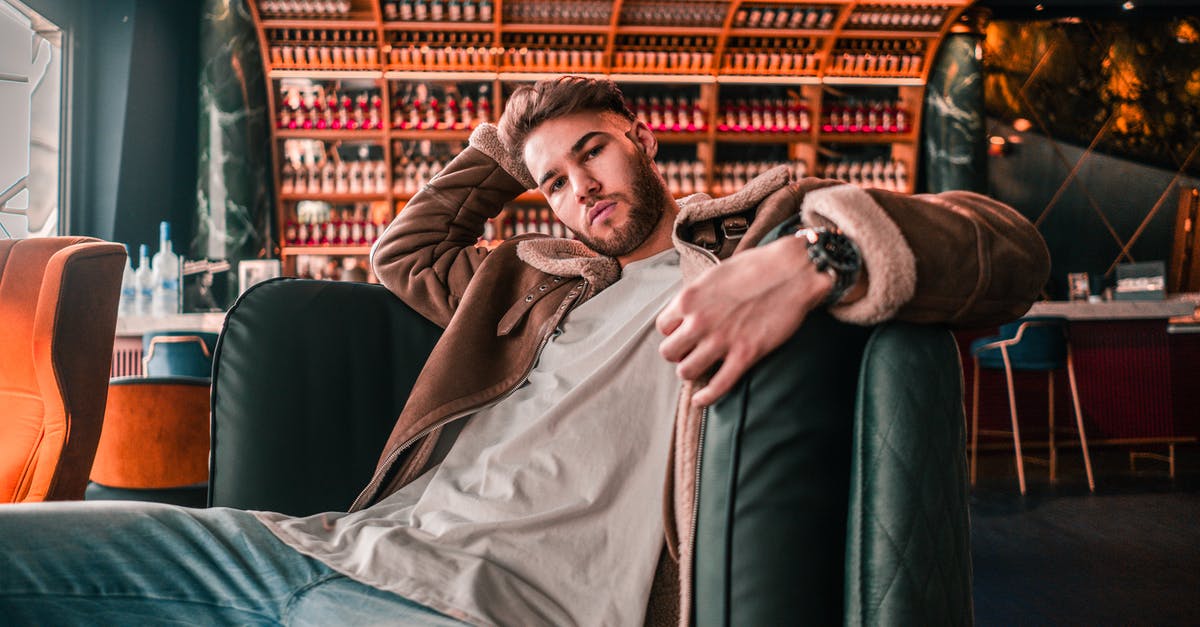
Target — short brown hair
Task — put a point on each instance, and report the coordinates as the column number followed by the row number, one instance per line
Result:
column 530, row 106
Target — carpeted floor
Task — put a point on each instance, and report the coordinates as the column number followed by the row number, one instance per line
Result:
column 1127, row 555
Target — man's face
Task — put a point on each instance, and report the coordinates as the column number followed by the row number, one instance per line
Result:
column 599, row 179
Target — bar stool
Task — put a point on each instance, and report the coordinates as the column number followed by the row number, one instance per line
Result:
column 155, row 442
column 1034, row 343
column 178, row 354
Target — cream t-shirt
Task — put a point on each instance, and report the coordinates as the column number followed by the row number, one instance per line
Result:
column 547, row 510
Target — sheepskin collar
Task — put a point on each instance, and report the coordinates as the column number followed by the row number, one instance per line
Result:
column 571, row 258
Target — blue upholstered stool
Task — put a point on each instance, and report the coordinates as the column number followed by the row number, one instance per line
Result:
column 178, row 354
column 1035, row 343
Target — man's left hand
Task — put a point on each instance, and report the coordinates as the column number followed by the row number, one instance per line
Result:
column 738, row 311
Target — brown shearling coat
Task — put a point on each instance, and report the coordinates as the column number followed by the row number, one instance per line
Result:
column 957, row 258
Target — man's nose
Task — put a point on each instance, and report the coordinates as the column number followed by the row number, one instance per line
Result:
column 585, row 185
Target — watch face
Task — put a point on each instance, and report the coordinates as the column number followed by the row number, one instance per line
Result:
column 840, row 251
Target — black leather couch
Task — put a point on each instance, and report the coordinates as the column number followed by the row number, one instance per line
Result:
column 309, row 376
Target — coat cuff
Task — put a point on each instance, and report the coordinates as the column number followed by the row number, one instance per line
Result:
column 888, row 260
column 485, row 139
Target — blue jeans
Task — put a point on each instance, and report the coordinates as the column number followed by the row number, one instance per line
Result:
column 126, row 563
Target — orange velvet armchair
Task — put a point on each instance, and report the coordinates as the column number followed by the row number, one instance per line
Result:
column 58, row 317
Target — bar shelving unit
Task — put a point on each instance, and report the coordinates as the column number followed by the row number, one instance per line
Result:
column 412, row 87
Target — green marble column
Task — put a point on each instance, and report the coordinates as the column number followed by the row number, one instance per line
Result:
column 953, row 137
column 234, row 196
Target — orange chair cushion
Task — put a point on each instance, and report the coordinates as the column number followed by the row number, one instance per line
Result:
column 58, row 300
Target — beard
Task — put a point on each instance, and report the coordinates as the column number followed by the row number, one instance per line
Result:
column 650, row 197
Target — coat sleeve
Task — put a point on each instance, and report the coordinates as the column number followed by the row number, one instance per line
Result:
column 427, row 255
column 956, row 257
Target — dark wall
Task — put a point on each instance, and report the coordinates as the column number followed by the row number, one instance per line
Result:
column 132, row 72
column 1075, row 213
column 1110, row 128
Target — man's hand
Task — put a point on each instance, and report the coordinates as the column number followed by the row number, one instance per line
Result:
column 736, row 312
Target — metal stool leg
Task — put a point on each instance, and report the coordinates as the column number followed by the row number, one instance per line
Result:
column 1016, row 429
column 1053, row 446
column 1087, row 458
column 975, row 425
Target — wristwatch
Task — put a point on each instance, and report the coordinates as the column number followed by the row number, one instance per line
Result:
column 835, row 254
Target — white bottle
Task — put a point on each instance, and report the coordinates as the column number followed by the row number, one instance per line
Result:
column 166, row 275
column 144, row 280
column 128, row 306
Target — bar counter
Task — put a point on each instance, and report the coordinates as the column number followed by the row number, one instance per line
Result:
column 127, row 347
column 1137, row 365
column 1115, row 309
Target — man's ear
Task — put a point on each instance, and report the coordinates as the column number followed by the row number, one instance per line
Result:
column 643, row 138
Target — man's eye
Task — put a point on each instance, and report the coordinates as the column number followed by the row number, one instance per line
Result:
column 595, row 151
column 557, row 184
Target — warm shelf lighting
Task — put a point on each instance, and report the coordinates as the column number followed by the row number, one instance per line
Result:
column 997, row 146
column 1021, row 125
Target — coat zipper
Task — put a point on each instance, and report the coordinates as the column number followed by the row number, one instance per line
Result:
column 696, row 486
column 537, row 355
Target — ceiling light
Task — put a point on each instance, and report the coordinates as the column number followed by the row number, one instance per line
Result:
column 1128, row 5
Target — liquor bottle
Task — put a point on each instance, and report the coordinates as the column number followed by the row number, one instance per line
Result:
column 144, row 280
column 166, row 275
column 128, row 302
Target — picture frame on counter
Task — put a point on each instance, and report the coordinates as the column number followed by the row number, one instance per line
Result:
column 255, row 271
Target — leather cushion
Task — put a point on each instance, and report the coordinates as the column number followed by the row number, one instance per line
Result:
column 308, row 379
column 772, row 502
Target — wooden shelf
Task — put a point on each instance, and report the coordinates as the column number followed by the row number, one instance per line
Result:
column 659, row 77
column 681, row 137
column 332, row 198
column 288, row 251
column 867, row 138
column 851, row 33
column 530, row 196
column 432, row 135
column 564, row 29
column 669, row 31
column 764, row 137
column 520, row 76
column 779, row 32
column 353, row 136
column 450, row 27
column 814, row 87
column 870, row 81
column 437, row 75
column 769, row 79
column 324, row 74
column 354, row 22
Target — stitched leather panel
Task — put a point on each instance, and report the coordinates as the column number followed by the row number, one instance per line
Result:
column 778, row 529
column 908, row 537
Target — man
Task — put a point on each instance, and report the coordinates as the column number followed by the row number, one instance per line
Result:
column 523, row 482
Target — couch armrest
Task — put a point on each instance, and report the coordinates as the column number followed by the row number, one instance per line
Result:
column 908, row 545
column 308, row 378
column 833, row 484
